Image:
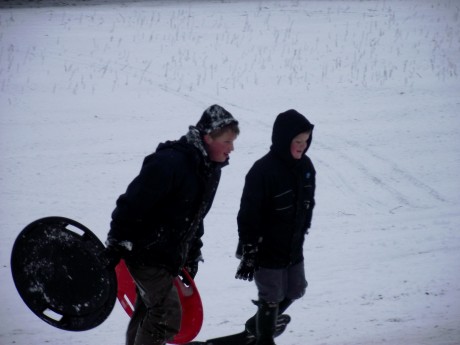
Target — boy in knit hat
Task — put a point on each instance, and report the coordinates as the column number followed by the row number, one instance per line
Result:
column 157, row 224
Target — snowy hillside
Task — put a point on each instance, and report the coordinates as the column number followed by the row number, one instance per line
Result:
column 88, row 89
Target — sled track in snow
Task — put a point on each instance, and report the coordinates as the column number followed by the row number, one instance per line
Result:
column 375, row 172
column 404, row 175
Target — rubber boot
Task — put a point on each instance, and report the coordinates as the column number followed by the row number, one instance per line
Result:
column 250, row 325
column 266, row 323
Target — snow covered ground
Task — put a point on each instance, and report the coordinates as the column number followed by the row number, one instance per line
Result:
column 88, row 89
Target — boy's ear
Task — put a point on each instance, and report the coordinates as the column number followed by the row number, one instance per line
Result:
column 207, row 139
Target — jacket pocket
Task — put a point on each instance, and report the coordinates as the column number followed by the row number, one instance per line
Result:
column 308, row 196
column 283, row 204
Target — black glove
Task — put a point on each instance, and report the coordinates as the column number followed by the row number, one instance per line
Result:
column 111, row 256
column 192, row 265
column 115, row 250
column 248, row 264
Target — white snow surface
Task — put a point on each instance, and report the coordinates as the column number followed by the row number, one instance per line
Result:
column 88, row 88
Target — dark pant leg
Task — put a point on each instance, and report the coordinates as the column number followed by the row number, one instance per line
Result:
column 296, row 282
column 136, row 319
column 159, row 314
column 279, row 285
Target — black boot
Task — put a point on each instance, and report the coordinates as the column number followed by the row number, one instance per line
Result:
column 250, row 325
column 284, row 304
column 266, row 322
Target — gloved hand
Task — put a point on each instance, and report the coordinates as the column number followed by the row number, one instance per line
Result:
column 192, row 265
column 111, row 256
column 115, row 250
column 248, row 264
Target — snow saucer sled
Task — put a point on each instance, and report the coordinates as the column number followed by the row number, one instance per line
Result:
column 59, row 271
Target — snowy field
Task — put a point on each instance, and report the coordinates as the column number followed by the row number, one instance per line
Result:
column 88, row 88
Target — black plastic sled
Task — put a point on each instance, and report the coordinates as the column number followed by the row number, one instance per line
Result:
column 58, row 272
column 245, row 338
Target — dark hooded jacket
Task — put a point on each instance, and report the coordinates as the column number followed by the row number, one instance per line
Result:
column 278, row 197
column 163, row 208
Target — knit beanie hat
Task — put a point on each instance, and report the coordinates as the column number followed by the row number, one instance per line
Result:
column 215, row 117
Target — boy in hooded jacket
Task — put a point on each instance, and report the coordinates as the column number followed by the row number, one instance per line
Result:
column 157, row 224
column 274, row 217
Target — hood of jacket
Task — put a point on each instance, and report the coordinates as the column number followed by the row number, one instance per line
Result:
column 286, row 127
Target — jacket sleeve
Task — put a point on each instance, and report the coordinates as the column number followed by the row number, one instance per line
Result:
column 194, row 253
column 311, row 196
column 252, row 206
column 142, row 195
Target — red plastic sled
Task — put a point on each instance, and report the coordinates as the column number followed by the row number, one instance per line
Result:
column 192, row 308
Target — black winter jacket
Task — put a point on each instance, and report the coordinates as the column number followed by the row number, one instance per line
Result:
column 162, row 211
column 278, row 198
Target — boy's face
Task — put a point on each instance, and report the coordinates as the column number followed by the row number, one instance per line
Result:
column 219, row 148
column 299, row 144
